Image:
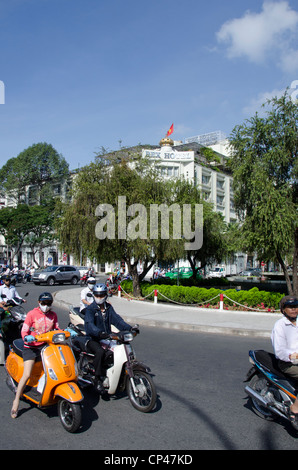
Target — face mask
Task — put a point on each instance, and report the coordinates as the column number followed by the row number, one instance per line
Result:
column 99, row 300
column 44, row 308
column 91, row 286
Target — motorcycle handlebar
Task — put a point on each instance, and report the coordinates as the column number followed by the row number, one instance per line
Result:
column 119, row 335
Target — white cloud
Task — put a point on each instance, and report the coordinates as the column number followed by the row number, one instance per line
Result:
column 258, row 36
column 256, row 103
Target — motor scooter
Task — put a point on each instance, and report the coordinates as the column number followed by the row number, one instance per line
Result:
column 123, row 370
column 83, row 280
column 12, row 319
column 271, row 392
column 112, row 283
column 53, row 379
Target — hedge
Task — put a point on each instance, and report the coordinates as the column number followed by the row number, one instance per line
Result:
column 254, row 297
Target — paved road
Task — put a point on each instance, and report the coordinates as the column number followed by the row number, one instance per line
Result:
column 201, row 401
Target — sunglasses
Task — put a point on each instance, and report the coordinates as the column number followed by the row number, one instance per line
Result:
column 42, row 302
column 99, row 295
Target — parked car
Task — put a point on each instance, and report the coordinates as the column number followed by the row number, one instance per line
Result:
column 184, row 273
column 219, row 271
column 59, row 274
column 251, row 272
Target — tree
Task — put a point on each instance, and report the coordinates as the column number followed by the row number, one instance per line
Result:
column 41, row 227
column 14, row 226
column 265, row 178
column 139, row 185
column 30, row 224
column 214, row 246
column 39, row 165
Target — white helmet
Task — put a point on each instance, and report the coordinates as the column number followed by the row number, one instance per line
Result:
column 91, row 281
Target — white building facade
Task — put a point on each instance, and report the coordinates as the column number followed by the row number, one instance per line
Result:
column 212, row 178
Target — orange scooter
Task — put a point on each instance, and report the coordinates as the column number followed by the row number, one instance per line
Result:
column 53, row 379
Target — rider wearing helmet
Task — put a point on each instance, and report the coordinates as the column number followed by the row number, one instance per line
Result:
column 86, row 294
column 284, row 339
column 99, row 317
column 8, row 291
column 39, row 320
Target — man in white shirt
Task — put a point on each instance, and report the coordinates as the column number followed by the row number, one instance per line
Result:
column 8, row 292
column 86, row 298
column 284, row 339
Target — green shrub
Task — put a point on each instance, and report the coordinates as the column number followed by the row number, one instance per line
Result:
column 193, row 295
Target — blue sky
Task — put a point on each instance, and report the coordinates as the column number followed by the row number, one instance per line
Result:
column 86, row 74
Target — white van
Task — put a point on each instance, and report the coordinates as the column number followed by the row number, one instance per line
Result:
column 218, row 271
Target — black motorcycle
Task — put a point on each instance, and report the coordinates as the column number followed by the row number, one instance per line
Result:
column 271, row 392
column 12, row 319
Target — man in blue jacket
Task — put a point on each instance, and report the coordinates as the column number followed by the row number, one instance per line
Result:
column 99, row 317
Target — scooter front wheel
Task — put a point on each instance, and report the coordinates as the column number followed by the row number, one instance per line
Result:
column 70, row 415
column 142, row 393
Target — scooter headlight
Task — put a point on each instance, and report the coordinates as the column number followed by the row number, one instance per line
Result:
column 58, row 338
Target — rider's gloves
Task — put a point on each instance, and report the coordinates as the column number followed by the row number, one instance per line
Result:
column 103, row 335
column 135, row 329
column 29, row 339
column 72, row 332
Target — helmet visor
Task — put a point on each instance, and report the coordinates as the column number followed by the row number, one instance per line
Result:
column 293, row 303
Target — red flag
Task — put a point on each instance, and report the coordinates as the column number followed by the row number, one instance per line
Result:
column 171, row 130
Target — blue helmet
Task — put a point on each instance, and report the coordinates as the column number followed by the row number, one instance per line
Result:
column 100, row 289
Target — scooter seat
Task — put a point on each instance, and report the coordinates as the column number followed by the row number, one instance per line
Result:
column 18, row 346
column 76, row 311
column 270, row 362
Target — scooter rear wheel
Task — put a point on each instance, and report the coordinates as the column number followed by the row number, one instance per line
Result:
column 260, row 385
column 70, row 415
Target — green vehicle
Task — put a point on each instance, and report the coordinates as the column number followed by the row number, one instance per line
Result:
column 184, row 273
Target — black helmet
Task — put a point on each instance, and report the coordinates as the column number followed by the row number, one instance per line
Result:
column 288, row 301
column 45, row 296
column 6, row 277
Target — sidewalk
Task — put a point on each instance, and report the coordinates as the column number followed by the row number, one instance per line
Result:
column 209, row 320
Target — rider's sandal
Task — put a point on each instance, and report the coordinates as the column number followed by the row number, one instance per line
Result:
column 14, row 414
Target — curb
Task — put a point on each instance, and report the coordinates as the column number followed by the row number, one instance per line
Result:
column 190, row 327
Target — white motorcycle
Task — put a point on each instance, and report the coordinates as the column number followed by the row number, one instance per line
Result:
column 123, row 371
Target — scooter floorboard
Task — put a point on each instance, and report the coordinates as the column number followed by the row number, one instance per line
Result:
column 32, row 394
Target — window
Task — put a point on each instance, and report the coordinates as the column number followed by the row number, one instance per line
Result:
column 219, row 200
column 220, row 184
column 205, row 179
